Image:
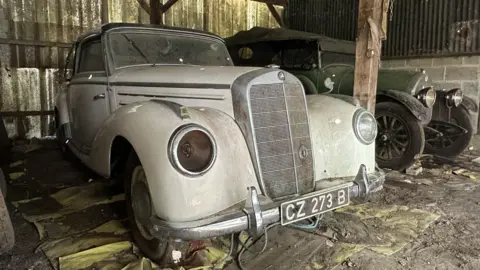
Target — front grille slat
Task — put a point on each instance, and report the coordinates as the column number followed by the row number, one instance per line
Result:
column 280, row 127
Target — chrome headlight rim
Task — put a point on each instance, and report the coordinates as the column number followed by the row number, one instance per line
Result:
column 427, row 96
column 454, row 97
column 174, row 144
column 356, row 121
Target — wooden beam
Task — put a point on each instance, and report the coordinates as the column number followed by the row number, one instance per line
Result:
column 368, row 52
column 104, row 11
column 275, row 14
column 157, row 17
column 25, row 113
column 168, row 5
column 144, row 5
column 36, row 43
column 156, row 14
column 283, row 3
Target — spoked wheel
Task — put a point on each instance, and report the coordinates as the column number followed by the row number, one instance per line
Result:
column 400, row 138
column 449, row 139
column 163, row 251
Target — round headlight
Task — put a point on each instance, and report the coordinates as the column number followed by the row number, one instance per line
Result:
column 454, row 97
column 192, row 150
column 427, row 96
column 365, row 126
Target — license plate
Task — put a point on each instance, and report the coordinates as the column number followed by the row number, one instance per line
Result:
column 315, row 204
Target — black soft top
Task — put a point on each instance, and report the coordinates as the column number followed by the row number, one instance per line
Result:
column 261, row 34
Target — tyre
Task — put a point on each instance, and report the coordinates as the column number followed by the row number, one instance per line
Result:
column 139, row 210
column 452, row 143
column 400, row 138
column 308, row 85
column 7, row 236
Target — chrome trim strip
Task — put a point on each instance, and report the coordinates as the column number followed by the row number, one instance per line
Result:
column 172, row 95
column 173, row 85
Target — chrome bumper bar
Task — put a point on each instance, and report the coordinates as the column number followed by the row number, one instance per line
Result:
column 253, row 219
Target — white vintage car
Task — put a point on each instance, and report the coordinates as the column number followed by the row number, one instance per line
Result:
column 206, row 148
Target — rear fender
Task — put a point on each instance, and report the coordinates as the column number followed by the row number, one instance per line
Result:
column 148, row 127
column 414, row 106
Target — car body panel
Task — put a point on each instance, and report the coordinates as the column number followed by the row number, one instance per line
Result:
column 328, row 78
column 329, row 118
column 146, row 104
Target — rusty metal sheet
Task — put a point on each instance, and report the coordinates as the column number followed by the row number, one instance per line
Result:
column 44, row 28
column 416, row 28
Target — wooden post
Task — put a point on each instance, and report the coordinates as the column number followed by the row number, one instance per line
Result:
column 156, row 13
column 104, row 11
column 369, row 47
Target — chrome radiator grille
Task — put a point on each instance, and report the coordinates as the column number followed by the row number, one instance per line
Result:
column 282, row 137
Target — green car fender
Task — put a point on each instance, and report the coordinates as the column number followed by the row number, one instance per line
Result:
column 469, row 104
column 422, row 113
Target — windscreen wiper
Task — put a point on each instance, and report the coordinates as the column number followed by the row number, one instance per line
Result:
column 136, row 48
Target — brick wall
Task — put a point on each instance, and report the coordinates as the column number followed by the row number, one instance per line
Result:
column 446, row 73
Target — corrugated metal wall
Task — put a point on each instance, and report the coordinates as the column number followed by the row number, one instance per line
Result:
column 333, row 18
column 418, row 28
column 29, row 72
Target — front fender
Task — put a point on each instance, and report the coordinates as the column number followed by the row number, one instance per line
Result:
column 469, row 104
column 413, row 105
column 148, row 126
column 336, row 150
column 62, row 109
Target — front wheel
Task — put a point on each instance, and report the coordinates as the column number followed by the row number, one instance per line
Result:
column 400, row 138
column 449, row 140
column 139, row 208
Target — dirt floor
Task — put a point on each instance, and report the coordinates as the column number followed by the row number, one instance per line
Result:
column 452, row 241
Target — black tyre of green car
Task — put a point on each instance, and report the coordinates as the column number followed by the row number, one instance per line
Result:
column 158, row 250
column 451, row 144
column 400, row 140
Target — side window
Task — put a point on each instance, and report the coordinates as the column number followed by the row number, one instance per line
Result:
column 91, row 58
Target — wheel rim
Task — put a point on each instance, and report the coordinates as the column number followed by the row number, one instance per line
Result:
column 448, row 138
column 393, row 138
column 140, row 199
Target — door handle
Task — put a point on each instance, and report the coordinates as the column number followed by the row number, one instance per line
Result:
column 99, row 96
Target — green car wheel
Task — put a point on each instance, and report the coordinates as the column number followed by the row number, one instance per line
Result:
column 452, row 141
column 400, row 140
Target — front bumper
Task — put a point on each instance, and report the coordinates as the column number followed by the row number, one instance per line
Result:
column 254, row 217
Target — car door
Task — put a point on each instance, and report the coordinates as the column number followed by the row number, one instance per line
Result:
column 87, row 94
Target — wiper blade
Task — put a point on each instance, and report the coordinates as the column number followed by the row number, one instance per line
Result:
column 136, row 48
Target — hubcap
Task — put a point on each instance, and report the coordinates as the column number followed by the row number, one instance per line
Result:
column 394, row 138
column 141, row 204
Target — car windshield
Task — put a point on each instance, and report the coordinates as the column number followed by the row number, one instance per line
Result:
column 137, row 48
column 329, row 58
column 295, row 54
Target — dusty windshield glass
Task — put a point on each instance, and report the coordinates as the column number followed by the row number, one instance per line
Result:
column 164, row 49
column 329, row 58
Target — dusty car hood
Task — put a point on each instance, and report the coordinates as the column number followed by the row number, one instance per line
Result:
column 180, row 74
column 388, row 79
column 191, row 86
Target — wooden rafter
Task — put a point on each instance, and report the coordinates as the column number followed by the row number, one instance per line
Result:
column 283, row 3
column 275, row 14
column 164, row 8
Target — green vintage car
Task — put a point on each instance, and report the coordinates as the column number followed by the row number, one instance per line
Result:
column 408, row 116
